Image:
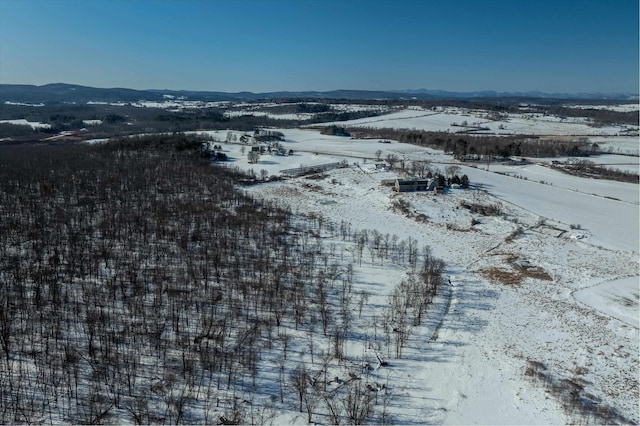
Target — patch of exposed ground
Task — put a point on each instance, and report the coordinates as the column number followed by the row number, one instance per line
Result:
column 513, row 271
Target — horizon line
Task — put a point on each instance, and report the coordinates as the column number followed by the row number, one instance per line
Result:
column 407, row 91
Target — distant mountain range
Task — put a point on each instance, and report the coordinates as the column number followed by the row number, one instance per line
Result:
column 70, row 93
column 530, row 95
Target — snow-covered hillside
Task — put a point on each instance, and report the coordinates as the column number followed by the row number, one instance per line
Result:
column 534, row 300
column 459, row 120
column 620, row 108
column 24, row 122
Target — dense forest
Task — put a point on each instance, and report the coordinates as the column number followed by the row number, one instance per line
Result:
column 138, row 283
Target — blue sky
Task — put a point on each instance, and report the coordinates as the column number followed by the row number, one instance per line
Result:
column 271, row 45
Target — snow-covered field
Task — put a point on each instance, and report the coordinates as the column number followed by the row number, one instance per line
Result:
column 572, row 244
column 619, row 162
column 626, row 192
column 92, row 122
column 293, row 116
column 618, row 144
column 262, row 110
column 455, row 120
column 618, row 108
column 24, row 122
column 595, row 208
column 618, row 299
column 585, row 204
column 174, row 104
column 23, row 104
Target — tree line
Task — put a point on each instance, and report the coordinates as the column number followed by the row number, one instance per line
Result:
column 480, row 147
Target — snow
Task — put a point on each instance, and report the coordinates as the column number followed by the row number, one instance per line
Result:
column 618, row 108
column 292, row 116
column 97, row 140
column 359, row 107
column 487, row 332
column 618, row 144
column 452, row 120
column 627, row 192
column 611, row 223
column 176, row 104
column 310, row 149
column 536, row 124
column 575, row 309
column 23, row 104
column 24, row 122
column 598, row 207
column 618, row 299
column 410, row 119
column 623, row 163
column 262, row 110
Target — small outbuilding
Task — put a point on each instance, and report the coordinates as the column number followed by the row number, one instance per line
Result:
column 418, row 185
column 411, row 185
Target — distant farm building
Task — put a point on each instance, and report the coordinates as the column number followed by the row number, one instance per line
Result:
column 247, row 139
column 416, row 185
column 382, row 166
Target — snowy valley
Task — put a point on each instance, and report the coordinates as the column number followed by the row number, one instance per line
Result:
column 551, row 281
column 514, row 300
